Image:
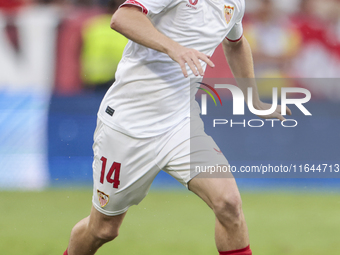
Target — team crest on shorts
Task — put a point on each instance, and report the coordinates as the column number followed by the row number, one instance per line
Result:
column 228, row 13
column 103, row 198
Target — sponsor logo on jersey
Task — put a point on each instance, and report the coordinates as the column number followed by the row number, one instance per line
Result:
column 110, row 111
column 192, row 4
column 228, row 13
column 103, row 198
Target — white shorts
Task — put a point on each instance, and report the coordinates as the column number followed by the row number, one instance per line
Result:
column 124, row 167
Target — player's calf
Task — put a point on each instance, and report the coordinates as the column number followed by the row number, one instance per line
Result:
column 222, row 195
column 230, row 223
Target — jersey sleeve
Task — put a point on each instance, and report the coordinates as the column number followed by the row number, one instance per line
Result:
column 149, row 6
column 236, row 32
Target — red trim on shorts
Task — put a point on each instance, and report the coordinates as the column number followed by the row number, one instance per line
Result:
column 234, row 40
column 244, row 251
column 65, row 253
column 135, row 3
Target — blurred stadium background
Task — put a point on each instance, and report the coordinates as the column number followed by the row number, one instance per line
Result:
column 58, row 58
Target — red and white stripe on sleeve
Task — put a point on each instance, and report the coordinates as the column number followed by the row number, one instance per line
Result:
column 135, row 3
column 236, row 33
column 230, row 40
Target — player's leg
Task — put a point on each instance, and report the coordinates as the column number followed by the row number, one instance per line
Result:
column 123, row 170
column 223, row 197
column 92, row 232
column 190, row 149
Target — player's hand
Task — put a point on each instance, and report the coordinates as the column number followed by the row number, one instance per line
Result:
column 183, row 55
column 274, row 115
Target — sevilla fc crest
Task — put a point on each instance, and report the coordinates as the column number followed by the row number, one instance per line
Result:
column 103, row 198
column 228, row 13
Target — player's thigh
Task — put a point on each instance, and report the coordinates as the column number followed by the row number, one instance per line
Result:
column 190, row 152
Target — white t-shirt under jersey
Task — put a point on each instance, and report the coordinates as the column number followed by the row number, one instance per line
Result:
column 150, row 94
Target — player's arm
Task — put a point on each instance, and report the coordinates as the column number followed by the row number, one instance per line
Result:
column 130, row 21
column 240, row 60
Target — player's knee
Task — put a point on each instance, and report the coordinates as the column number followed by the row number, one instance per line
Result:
column 105, row 233
column 228, row 208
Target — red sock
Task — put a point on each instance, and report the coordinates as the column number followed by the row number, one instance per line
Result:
column 65, row 253
column 244, row 251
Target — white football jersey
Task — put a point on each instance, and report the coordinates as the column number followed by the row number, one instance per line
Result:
column 150, row 94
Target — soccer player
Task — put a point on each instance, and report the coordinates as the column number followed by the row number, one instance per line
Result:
column 144, row 119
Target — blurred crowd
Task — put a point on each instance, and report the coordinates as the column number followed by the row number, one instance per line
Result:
column 87, row 50
column 13, row 5
column 295, row 38
column 282, row 42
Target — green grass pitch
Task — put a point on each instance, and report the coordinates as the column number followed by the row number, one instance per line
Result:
column 39, row 223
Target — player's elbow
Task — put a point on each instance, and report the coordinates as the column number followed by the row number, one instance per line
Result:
column 123, row 18
column 114, row 23
column 116, row 20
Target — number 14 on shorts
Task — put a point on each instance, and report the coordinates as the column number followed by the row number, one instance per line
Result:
column 114, row 169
